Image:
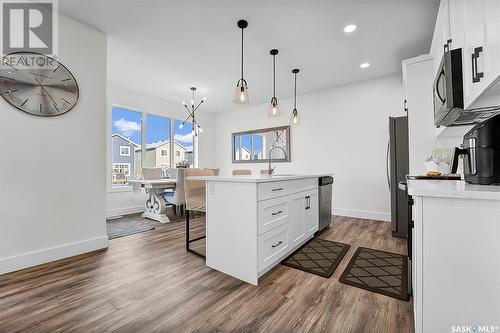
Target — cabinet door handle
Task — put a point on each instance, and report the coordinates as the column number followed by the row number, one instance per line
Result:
column 277, row 189
column 476, row 76
column 277, row 244
column 308, row 202
column 277, row 213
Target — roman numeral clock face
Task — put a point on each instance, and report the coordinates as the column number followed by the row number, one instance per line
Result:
column 37, row 84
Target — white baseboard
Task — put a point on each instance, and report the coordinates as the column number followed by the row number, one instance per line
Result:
column 15, row 263
column 124, row 211
column 360, row 214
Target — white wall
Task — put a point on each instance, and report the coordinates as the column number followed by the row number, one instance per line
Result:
column 343, row 130
column 120, row 201
column 52, row 170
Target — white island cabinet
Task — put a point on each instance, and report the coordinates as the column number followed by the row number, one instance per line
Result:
column 456, row 256
column 253, row 223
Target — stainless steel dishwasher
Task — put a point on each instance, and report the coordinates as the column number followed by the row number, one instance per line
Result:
column 325, row 201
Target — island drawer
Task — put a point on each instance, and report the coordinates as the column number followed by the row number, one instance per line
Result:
column 272, row 246
column 271, row 190
column 301, row 185
column 272, row 213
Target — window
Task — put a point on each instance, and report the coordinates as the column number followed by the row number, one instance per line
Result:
column 165, row 143
column 124, row 151
column 246, row 147
column 183, row 142
column 121, row 173
column 257, row 147
column 157, row 141
column 126, row 140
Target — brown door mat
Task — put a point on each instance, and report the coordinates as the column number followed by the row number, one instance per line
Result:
column 318, row 256
column 378, row 271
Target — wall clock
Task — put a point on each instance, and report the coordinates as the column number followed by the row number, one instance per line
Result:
column 37, row 84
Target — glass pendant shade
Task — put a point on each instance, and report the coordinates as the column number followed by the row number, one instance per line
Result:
column 274, row 108
column 295, row 118
column 241, row 93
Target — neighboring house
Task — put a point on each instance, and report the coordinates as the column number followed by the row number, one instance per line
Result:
column 158, row 154
column 122, row 159
column 244, row 153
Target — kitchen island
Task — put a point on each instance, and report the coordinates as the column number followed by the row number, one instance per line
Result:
column 254, row 222
column 456, row 256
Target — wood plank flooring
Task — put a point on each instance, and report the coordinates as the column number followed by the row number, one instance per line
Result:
column 148, row 283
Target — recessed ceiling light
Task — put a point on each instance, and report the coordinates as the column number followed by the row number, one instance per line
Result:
column 365, row 65
column 350, row 28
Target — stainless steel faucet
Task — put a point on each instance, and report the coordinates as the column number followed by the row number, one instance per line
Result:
column 269, row 169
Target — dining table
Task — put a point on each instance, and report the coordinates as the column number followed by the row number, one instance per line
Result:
column 155, row 205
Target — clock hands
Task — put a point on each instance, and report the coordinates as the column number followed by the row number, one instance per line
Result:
column 45, row 90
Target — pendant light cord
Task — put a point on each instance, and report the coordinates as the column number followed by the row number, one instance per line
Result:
column 274, row 76
column 295, row 93
column 242, row 54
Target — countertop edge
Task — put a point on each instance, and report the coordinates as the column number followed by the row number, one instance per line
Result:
column 452, row 189
column 251, row 179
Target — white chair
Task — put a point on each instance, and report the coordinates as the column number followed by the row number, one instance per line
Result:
column 176, row 198
column 195, row 193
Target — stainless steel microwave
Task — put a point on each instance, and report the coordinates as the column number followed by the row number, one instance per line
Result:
column 448, row 91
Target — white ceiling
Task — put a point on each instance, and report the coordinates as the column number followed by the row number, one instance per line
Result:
column 161, row 48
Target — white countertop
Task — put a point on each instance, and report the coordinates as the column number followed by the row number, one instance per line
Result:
column 257, row 178
column 452, row 189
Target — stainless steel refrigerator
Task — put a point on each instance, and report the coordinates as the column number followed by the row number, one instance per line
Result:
column 397, row 169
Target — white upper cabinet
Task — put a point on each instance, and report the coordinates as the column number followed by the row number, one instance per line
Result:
column 442, row 32
column 474, row 26
column 492, row 46
column 456, row 17
column 475, row 52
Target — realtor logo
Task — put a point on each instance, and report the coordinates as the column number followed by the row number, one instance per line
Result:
column 28, row 26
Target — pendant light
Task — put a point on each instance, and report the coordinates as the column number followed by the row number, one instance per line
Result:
column 294, row 119
column 191, row 110
column 274, row 108
column 241, row 92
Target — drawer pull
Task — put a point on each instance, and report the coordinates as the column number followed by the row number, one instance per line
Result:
column 277, row 213
column 277, row 189
column 278, row 244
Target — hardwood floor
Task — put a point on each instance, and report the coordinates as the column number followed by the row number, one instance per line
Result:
column 148, row 283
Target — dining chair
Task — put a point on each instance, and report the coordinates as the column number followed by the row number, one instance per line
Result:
column 241, row 172
column 177, row 198
column 215, row 171
column 152, row 173
column 172, row 172
column 195, row 198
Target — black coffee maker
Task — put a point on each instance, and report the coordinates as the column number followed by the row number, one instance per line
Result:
column 481, row 152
